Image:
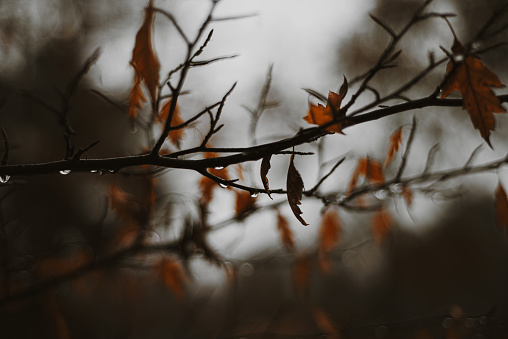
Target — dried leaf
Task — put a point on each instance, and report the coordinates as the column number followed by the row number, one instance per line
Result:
column 294, row 187
column 474, row 81
column 407, row 194
column 381, row 224
column 244, row 203
column 501, row 203
column 320, row 115
column 265, row 167
column 286, row 235
column 144, row 60
column 324, row 323
column 302, row 273
column 175, row 135
column 136, row 98
column 329, row 235
column 393, row 147
column 368, row 168
column 171, row 274
column 207, row 185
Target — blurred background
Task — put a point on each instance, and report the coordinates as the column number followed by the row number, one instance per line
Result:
column 443, row 270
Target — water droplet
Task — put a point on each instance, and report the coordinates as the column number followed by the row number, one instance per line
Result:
column 458, row 58
column 340, row 198
column 396, row 188
column 255, row 194
column 246, row 270
column 381, row 194
column 112, row 171
column 65, row 172
column 219, row 167
column 223, row 185
column 4, row 178
column 93, row 171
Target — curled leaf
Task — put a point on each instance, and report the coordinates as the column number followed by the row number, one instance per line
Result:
column 393, row 147
column 171, row 274
column 294, row 188
column 244, row 203
column 474, row 80
column 286, row 235
column 368, row 168
column 174, row 135
column 320, row 115
column 144, row 60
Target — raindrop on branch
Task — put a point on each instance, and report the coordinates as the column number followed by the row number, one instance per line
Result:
column 65, row 172
column 219, row 167
column 4, row 178
column 255, row 194
column 223, row 185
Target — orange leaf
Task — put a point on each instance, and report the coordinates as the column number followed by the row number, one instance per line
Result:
column 244, row 203
column 329, row 234
column 172, row 274
column 265, row 167
column 207, row 185
column 320, row 115
column 501, row 203
column 294, row 188
column 175, row 135
column 136, row 98
column 286, row 235
column 407, row 194
column 370, row 169
column 395, row 142
column 474, row 81
column 144, row 60
column 302, row 272
column 381, row 224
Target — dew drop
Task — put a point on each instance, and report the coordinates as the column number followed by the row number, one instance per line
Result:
column 219, row 167
column 381, row 194
column 396, row 188
column 223, row 185
column 246, row 269
column 458, row 58
column 4, row 178
column 255, row 194
column 65, row 172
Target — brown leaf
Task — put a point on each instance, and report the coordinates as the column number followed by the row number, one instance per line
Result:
column 136, row 99
column 294, row 187
column 368, row 168
column 171, row 274
column 329, row 235
column 302, row 273
column 393, row 147
column 207, row 185
column 244, row 203
column 144, row 60
column 501, row 203
column 286, row 235
column 175, row 135
column 265, row 167
column 474, row 81
column 407, row 194
column 324, row 323
column 320, row 115
column 381, row 224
